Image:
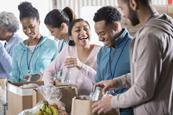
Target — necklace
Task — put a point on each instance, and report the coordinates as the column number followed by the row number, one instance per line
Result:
column 32, row 53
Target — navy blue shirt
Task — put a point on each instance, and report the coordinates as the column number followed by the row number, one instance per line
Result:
column 113, row 62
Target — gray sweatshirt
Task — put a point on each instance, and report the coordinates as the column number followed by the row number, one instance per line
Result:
column 151, row 69
column 171, row 100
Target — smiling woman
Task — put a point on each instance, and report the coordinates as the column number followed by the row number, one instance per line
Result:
column 34, row 54
column 79, row 61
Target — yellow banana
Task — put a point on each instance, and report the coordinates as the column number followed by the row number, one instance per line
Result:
column 43, row 108
column 40, row 112
column 54, row 110
column 44, row 113
column 48, row 110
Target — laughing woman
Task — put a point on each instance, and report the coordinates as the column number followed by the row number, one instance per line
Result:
column 79, row 59
column 32, row 56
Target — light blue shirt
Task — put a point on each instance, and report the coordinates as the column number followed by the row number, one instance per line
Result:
column 26, row 62
column 6, row 53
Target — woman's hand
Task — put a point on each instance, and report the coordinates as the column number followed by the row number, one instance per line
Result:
column 71, row 62
column 33, row 77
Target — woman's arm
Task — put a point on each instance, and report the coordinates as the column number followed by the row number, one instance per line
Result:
column 54, row 67
column 5, row 60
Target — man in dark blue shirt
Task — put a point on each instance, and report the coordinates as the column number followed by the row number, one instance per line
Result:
column 113, row 58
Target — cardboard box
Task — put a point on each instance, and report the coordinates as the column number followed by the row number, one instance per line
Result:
column 36, row 97
column 19, row 98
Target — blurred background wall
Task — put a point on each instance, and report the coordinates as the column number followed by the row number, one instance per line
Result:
column 83, row 8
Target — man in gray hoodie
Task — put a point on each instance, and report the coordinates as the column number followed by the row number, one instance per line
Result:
column 151, row 63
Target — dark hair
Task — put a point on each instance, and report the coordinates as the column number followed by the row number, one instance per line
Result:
column 145, row 3
column 69, row 12
column 27, row 10
column 107, row 13
column 55, row 17
column 71, row 42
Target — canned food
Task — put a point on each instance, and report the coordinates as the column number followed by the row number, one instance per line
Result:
column 97, row 94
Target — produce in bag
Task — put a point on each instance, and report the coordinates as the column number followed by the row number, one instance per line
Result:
column 51, row 105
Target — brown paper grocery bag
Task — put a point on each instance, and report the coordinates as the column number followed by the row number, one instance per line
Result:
column 83, row 107
column 68, row 92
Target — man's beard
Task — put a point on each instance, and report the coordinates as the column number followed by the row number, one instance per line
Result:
column 115, row 38
column 133, row 17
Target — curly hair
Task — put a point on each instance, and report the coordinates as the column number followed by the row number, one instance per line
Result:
column 9, row 22
column 28, row 11
column 107, row 13
column 55, row 17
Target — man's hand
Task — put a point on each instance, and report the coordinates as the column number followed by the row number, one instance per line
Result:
column 103, row 105
column 107, row 85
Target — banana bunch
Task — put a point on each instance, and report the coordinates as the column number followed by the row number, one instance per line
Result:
column 47, row 109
